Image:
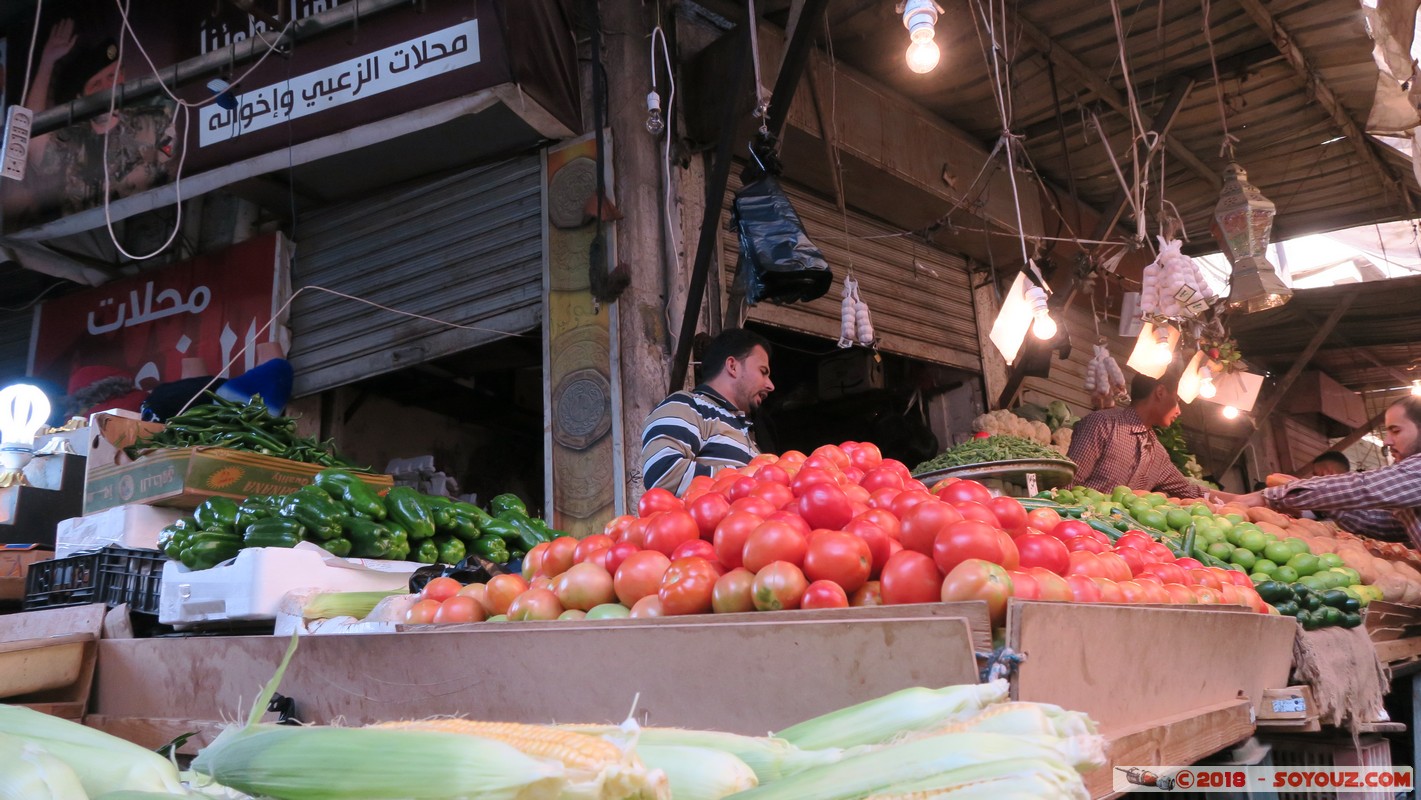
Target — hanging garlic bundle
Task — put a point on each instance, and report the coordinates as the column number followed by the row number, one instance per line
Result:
column 1172, row 283
column 1103, row 377
column 855, row 326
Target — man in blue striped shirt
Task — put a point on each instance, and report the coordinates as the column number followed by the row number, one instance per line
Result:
column 700, row 431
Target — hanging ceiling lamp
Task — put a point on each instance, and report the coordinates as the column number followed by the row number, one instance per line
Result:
column 1243, row 221
column 920, row 18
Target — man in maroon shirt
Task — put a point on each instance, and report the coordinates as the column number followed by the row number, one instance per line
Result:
column 1381, row 503
column 1118, row 446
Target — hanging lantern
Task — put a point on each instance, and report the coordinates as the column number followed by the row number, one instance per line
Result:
column 1243, row 220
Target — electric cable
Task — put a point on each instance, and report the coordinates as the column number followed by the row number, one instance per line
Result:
column 30, row 55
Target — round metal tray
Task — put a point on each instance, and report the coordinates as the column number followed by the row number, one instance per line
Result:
column 1050, row 473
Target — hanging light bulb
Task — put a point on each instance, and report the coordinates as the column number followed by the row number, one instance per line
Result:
column 1416, row 388
column 1042, row 325
column 920, row 18
column 1207, row 389
column 655, row 124
column 1230, row 412
column 23, row 410
column 1164, row 349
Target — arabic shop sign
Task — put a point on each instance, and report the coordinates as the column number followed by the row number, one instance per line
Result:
column 210, row 307
column 393, row 67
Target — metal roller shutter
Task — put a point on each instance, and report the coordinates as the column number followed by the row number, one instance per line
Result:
column 465, row 249
column 920, row 296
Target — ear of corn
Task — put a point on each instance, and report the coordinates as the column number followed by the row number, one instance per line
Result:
column 770, row 758
column 103, row 763
column 327, row 605
column 698, row 773
column 29, row 772
column 1037, row 719
column 879, row 720
column 327, row 763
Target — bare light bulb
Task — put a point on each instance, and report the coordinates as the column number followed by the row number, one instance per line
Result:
column 923, row 55
column 1230, row 412
column 1416, row 388
column 1044, row 327
column 23, row 410
column 1207, row 389
column 655, row 125
column 1164, row 352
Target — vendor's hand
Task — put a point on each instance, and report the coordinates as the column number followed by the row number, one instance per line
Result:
column 1220, row 497
column 61, row 40
column 1251, row 500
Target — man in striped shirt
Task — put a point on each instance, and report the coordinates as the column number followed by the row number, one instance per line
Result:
column 1381, row 503
column 700, row 431
column 1118, row 446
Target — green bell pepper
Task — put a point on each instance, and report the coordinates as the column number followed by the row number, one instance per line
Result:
column 274, row 532
column 427, row 552
column 528, row 535
column 318, row 513
column 451, row 550
column 492, row 548
column 441, row 511
column 368, row 539
column 253, row 509
column 354, row 492
column 399, row 552
column 173, row 538
column 466, row 528
column 207, row 549
column 473, row 512
column 216, row 514
column 406, row 507
column 506, row 502
column 339, row 546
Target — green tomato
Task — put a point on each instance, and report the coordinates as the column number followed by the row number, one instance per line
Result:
column 608, row 611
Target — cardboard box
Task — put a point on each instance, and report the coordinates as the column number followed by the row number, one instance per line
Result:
column 132, row 525
column 15, row 561
column 182, row 477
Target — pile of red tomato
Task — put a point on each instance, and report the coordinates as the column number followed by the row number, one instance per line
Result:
column 844, row 526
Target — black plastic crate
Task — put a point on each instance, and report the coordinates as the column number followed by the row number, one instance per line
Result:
column 131, row 576
column 71, row 581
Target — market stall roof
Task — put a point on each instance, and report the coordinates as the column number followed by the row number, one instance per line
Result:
column 1298, row 78
column 1375, row 345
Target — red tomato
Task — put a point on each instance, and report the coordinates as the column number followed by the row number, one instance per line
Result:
column 1155, row 592
column 618, row 526
column 1040, row 550
column 1203, row 577
column 975, row 579
column 584, row 587
column 773, row 541
column 501, row 591
column 1188, row 563
column 1239, row 579
column 666, row 531
column 1159, row 552
column 876, row 541
column 922, row 524
column 791, row 518
column 1134, row 559
column 1097, row 536
column 1068, row 529
column 869, row 594
column 866, row 456
column 1011, row 556
column 824, row 594
column 558, row 558
column 533, row 561
column 708, row 510
column 1083, row 563
column 899, row 467
column 791, row 457
column 1179, row 593
column 459, row 609
column 1110, row 591
column 840, row 557
column 1011, row 516
column 541, row 582
column 825, row 505
column 592, row 548
column 638, row 576
column 808, row 475
column 852, row 476
column 1043, row 519
column 776, row 494
column 882, row 478
column 741, row 488
column 1052, row 586
column 1208, row 595
column 656, row 500
column 966, row 540
column 780, row 585
column 479, row 592
column 732, row 593
column 834, row 453
column 1116, row 568
column 883, row 498
column 906, row 500
column 534, row 604
column 1133, row 592
column 965, row 492
column 758, row 506
column 695, row 548
column 1084, row 589
column 649, row 606
column 1024, row 585
column 441, row 589
column 858, row 496
column 978, row 512
column 1086, row 544
column 699, row 485
column 1228, row 594
column 614, row 556
column 884, row 519
column 686, row 587
column 772, row 473
column 1167, row 573
column 1135, row 540
column 636, row 533
column 730, row 536
column 910, row 577
column 423, row 612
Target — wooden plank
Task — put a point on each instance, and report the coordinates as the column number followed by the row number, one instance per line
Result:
column 1168, row 741
column 1398, row 650
column 748, row 678
column 69, row 701
column 1127, row 666
column 153, row 733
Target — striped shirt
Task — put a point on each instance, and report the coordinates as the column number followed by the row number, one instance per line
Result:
column 1114, row 447
column 693, row 433
column 1381, row 503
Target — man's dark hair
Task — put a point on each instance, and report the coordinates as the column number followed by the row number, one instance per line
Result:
column 1142, row 386
column 1412, row 406
column 731, row 343
column 1334, row 457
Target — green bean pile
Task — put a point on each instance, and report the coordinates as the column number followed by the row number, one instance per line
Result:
column 242, row 426
column 992, row 448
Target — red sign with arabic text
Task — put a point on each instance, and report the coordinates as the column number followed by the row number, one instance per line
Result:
column 211, row 307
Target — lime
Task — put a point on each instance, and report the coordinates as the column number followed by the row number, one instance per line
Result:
column 1152, row 519
column 1269, row 538
column 1314, row 583
column 1178, row 518
column 1305, row 563
column 1235, row 518
column 1278, row 552
column 1121, row 493
column 1244, row 558
column 1104, row 507
column 1259, row 577
column 1220, row 550
column 1223, row 523
column 1207, row 536
column 1234, row 536
column 1156, row 499
column 1285, row 574
column 1252, row 541
column 1353, row 576
column 1329, row 560
column 1298, row 545
column 1200, row 510
column 1264, row 566
column 1138, row 507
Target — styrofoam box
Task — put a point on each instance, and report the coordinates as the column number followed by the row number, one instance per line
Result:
column 126, row 526
column 249, row 588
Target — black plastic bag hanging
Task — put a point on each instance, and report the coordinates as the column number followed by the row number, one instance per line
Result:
column 777, row 261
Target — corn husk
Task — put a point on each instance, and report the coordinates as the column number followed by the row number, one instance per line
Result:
column 103, row 763
column 29, row 772
column 880, row 720
column 699, row 773
column 768, row 757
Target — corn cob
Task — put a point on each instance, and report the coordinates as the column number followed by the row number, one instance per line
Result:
column 1042, row 719
column 699, row 773
column 103, row 763
column 877, row 721
column 29, row 772
column 770, row 758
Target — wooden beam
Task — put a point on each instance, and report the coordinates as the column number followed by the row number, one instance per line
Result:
column 1357, row 434
column 1318, row 90
column 1096, row 82
column 1299, row 364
